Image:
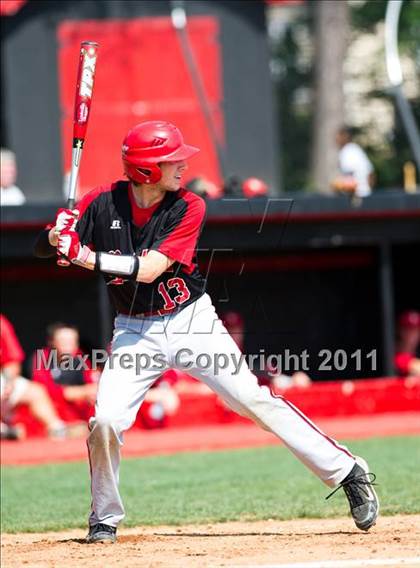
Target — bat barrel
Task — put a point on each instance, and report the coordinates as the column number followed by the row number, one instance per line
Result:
column 83, row 98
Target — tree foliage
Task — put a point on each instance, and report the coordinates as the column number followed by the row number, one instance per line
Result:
column 294, row 80
column 390, row 157
column 367, row 15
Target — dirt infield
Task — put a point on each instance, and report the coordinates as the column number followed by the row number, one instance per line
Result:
column 217, row 545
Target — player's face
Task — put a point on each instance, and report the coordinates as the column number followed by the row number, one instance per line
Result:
column 66, row 341
column 8, row 172
column 172, row 173
column 341, row 139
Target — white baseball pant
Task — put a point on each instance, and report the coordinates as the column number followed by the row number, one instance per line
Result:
column 193, row 335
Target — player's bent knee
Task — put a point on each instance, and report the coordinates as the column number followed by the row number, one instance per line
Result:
column 104, row 423
column 34, row 394
column 104, row 426
column 35, row 390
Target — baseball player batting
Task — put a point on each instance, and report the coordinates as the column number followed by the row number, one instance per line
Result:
column 141, row 235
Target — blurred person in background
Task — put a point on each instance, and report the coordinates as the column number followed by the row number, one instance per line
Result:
column 71, row 386
column 16, row 390
column 357, row 174
column 254, row 187
column 10, row 193
column 235, row 186
column 407, row 353
column 161, row 402
column 272, row 377
column 280, row 381
column 204, row 188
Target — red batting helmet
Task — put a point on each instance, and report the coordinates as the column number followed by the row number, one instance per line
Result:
column 253, row 187
column 148, row 144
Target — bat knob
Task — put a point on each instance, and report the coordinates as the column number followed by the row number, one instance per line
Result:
column 62, row 261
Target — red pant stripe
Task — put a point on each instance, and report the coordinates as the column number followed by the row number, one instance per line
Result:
column 311, row 424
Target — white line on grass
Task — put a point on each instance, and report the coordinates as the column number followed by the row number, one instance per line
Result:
column 343, row 563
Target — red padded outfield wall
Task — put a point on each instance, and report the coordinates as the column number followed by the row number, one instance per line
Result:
column 335, row 399
column 141, row 75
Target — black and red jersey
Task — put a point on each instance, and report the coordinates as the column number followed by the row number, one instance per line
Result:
column 110, row 221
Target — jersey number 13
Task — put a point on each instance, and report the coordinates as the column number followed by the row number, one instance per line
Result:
column 183, row 294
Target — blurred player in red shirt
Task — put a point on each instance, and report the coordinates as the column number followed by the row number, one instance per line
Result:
column 73, row 391
column 16, row 390
column 407, row 356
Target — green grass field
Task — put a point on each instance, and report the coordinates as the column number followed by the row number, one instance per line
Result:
column 264, row 483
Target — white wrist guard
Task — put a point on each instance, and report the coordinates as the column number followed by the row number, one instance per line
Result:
column 118, row 265
column 83, row 255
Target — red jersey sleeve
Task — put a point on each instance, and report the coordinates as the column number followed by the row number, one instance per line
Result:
column 179, row 240
column 10, row 348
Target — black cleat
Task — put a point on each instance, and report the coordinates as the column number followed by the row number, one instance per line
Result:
column 101, row 533
column 358, row 487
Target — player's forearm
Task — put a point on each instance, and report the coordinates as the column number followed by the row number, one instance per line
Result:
column 135, row 268
column 145, row 269
column 125, row 266
column 150, row 268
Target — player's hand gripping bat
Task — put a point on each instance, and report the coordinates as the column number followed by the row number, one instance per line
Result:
column 83, row 100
